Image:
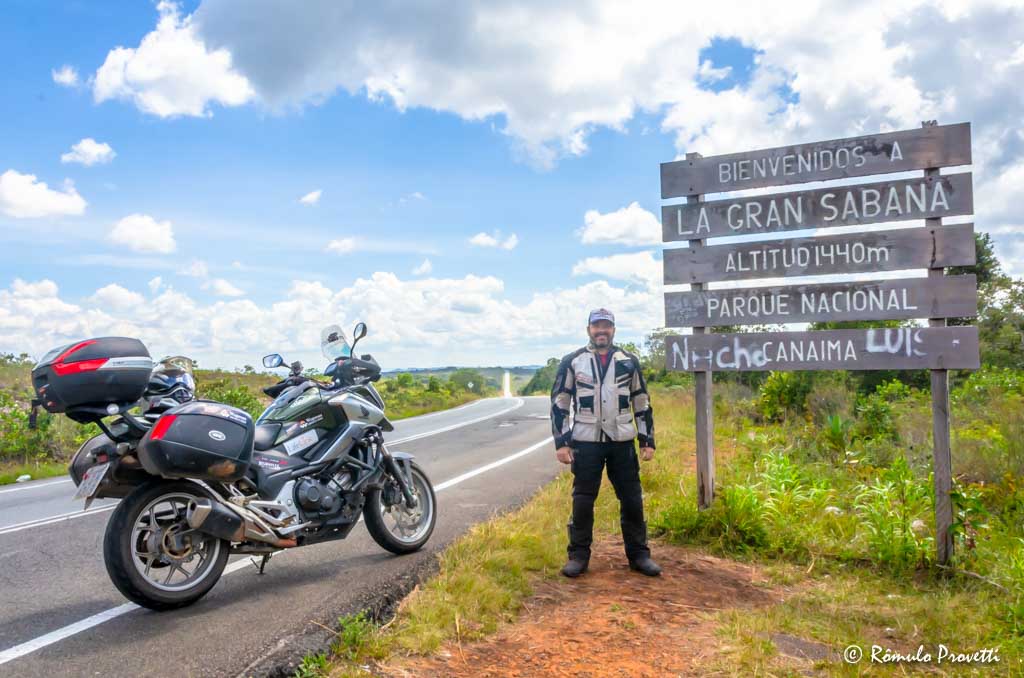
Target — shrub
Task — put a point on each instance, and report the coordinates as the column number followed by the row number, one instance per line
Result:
column 830, row 395
column 222, row 391
column 875, row 411
column 784, row 393
column 735, row 521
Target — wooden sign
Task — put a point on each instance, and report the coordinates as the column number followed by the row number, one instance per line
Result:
column 931, row 197
column 948, row 297
column 894, row 250
column 942, row 348
column 934, row 146
column 926, row 197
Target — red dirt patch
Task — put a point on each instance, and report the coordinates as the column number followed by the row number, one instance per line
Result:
column 610, row 622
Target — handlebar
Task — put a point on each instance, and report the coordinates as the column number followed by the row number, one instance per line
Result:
column 353, row 371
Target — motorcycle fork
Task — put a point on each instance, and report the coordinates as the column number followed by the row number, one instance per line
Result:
column 401, row 472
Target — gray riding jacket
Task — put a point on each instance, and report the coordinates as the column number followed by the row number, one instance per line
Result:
column 607, row 403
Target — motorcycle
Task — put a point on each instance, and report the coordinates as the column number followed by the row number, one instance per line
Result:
column 200, row 481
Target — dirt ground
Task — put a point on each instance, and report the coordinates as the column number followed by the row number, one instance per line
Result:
column 610, row 622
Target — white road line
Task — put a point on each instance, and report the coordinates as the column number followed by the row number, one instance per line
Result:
column 35, row 486
column 60, row 634
column 519, row 402
column 49, row 520
column 488, row 467
column 40, row 522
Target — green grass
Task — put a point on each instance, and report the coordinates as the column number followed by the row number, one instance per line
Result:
column 9, row 473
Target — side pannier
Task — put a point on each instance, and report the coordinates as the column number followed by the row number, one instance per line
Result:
column 202, row 440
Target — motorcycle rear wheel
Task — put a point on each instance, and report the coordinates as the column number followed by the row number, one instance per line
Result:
column 152, row 556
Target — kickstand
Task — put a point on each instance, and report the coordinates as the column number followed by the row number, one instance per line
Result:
column 264, row 559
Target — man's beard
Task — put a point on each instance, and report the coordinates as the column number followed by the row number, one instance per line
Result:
column 601, row 341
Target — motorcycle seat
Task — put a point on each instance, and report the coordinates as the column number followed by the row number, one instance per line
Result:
column 266, row 434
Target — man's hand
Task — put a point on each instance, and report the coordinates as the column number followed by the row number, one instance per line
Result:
column 647, row 453
column 564, row 455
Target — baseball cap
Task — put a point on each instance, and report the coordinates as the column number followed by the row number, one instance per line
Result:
column 601, row 314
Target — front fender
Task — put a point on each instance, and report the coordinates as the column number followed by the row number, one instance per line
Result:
column 403, row 456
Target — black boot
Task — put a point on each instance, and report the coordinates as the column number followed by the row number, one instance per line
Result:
column 575, row 567
column 579, row 551
column 637, row 551
column 644, row 565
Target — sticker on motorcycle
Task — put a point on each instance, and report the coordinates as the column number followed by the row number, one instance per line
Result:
column 301, row 442
column 306, row 423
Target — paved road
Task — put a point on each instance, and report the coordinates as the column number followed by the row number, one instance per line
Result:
column 61, row 616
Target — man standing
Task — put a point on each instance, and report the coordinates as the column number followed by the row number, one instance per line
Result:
column 600, row 383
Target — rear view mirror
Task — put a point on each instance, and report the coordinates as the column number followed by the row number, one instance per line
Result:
column 358, row 332
column 273, row 360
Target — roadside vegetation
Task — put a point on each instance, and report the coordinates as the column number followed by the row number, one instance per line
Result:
column 46, row 451
column 823, row 483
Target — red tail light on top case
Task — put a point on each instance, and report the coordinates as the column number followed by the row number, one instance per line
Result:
column 63, row 368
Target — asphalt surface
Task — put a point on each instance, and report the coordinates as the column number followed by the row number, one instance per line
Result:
column 61, row 616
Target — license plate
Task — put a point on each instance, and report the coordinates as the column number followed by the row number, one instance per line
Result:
column 91, row 481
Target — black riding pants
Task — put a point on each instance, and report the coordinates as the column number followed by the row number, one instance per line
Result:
column 589, row 461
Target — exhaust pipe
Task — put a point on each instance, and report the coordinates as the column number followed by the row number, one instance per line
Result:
column 215, row 520
column 224, row 522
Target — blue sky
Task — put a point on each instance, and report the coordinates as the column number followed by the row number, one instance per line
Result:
column 416, row 148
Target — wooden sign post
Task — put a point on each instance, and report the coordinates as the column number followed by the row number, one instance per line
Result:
column 705, row 422
column 934, row 247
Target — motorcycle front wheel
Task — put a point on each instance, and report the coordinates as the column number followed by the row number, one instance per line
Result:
column 395, row 526
column 153, row 557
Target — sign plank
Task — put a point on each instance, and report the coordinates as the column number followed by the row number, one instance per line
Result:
column 861, row 349
column 934, row 146
column 937, row 196
column 906, row 248
column 948, row 297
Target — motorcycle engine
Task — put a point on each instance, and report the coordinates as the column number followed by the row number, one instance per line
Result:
column 316, row 496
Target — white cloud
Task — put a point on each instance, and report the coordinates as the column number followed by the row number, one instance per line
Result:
column 171, row 72
column 222, row 288
column 155, row 284
column 709, row 73
column 196, row 269
column 494, row 240
column 311, row 198
column 89, row 152
column 472, row 312
column 415, row 195
column 65, row 76
column 23, row 196
column 341, row 245
column 636, row 267
column 549, row 74
column 117, row 298
column 143, row 233
column 424, row 268
column 631, row 225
